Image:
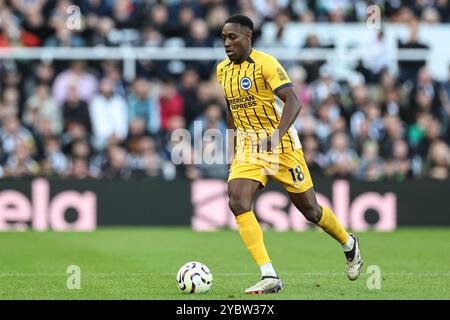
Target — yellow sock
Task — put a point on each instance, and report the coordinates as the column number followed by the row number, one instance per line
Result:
column 252, row 235
column 331, row 225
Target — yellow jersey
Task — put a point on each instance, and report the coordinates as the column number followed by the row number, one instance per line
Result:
column 250, row 89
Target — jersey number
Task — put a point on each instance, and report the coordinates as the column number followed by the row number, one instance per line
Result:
column 297, row 174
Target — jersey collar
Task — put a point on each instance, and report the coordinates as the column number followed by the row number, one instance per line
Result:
column 249, row 59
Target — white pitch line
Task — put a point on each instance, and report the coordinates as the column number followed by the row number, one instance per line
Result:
column 76, row 291
column 142, row 274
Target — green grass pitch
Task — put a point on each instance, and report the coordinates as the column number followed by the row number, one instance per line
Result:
column 141, row 263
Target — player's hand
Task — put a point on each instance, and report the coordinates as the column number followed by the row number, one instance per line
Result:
column 265, row 145
column 268, row 144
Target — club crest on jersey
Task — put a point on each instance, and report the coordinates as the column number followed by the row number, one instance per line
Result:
column 246, row 83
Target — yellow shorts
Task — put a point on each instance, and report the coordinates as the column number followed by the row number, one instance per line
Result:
column 289, row 169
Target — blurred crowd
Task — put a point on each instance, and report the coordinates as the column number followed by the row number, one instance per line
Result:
column 82, row 119
column 195, row 22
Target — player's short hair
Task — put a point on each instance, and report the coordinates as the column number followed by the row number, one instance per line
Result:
column 241, row 19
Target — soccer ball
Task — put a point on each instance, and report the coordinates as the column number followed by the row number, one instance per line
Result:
column 194, row 277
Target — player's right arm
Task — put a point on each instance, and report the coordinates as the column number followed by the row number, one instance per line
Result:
column 231, row 128
column 231, row 134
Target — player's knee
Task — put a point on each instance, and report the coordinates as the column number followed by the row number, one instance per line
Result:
column 238, row 204
column 313, row 214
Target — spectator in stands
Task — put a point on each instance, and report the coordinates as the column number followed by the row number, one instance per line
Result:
column 443, row 7
column 171, row 102
column 323, row 87
column 109, row 115
column 12, row 34
column 153, row 165
column 208, row 132
column 388, row 80
column 268, row 9
column 212, row 118
column 124, row 14
column 437, row 164
column 116, row 167
column 58, row 13
column 277, row 38
column 401, row 160
column 74, row 131
column 246, row 8
column 430, row 16
column 446, row 92
column 314, row 68
column 433, row 134
column 215, row 19
column 418, row 130
column 158, row 15
column 20, row 162
column 12, row 133
column 80, row 148
column 306, row 125
column 425, row 94
column 394, row 129
column 376, row 57
column 298, row 75
column 199, row 36
column 101, row 32
column 342, row 160
column 211, row 168
column 135, row 148
column 10, row 102
column 409, row 69
column 76, row 110
column 41, row 106
column 42, row 73
column 329, row 114
column 55, row 161
column 370, row 166
column 143, row 103
column 188, row 88
column 33, row 18
column 335, row 11
column 180, row 29
column 111, row 70
column 314, row 157
column 12, row 78
column 64, row 37
column 370, row 113
column 374, row 171
column 393, row 104
column 76, row 76
column 445, row 98
column 136, row 131
column 358, row 97
column 151, row 37
column 42, row 131
column 96, row 8
column 78, row 169
column 180, row 151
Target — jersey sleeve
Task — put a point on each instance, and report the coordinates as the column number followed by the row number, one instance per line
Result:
column 275, row 74
column 219, row 72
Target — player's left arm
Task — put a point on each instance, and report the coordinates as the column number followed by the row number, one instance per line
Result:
column 291, row 110
column 278, row 80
